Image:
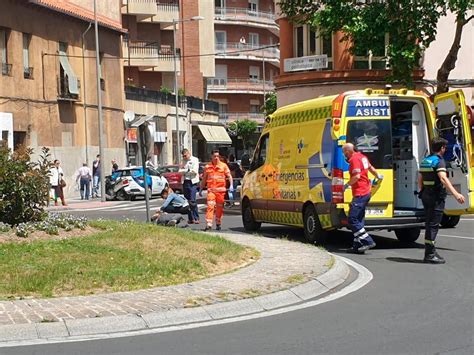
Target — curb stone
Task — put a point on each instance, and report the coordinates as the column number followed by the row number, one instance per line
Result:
column 73, row 328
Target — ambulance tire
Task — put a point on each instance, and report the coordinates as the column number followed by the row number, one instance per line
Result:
column 450, row 221
column 248, row 220
column 313, row 231
column 407, row 235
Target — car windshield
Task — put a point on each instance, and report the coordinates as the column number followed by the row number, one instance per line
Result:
column 372, row 138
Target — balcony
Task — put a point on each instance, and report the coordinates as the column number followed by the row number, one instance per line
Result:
column 236, row 50
column 167, row 11
column 141, row 8
column 244, row 16
column 227, row 117
column 149, row 56
column 239, row 86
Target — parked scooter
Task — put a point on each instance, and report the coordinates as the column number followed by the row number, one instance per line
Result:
column 114, row 188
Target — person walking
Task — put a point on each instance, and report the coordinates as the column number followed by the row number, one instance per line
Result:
column 190, row 173
column 96, row 176
column 216, row 173
column 359, row 182
column 433, row 182
column 57, row 182
column 174, row 203
column 84, row 178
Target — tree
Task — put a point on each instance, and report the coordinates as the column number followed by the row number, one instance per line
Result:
column 245, row 129
column 410, row 25
column 270, row 104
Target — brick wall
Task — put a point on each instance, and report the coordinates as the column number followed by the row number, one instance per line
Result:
column 235, row 32
column 240, row 68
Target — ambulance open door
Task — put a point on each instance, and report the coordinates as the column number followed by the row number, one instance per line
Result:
column 452, row 123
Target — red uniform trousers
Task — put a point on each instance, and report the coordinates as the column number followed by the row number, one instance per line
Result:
column 215, row 204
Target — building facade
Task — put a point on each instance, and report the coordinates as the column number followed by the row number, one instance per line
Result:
column 48, row 85
column 155, row 28
column 247, row 57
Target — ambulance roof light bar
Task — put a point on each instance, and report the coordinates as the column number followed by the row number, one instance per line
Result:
column 387, row 91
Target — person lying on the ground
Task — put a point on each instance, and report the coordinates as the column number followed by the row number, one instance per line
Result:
column 174, row 203
column 168, row 219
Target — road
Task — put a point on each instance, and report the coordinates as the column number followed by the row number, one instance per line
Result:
column 408, row 308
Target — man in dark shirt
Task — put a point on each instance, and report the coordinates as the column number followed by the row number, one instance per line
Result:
column 433, row 182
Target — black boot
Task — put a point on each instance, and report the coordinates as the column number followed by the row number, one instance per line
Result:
column 431, row 256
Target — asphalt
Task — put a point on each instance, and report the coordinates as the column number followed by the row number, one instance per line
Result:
column 287, row 273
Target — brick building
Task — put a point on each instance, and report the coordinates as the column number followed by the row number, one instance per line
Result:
column 48, row 90
column 247, row 60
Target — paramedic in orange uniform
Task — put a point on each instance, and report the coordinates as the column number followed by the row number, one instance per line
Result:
column 214, row 178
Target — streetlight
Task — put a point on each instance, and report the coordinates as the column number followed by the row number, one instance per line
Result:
column 175, row 55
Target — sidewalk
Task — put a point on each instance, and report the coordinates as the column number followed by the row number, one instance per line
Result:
column 74, row 203
column 287, row 273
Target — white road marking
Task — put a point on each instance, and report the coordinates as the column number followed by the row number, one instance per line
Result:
column 454, row 236
column 363, row 278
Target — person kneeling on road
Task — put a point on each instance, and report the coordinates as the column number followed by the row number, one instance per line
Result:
column 168, row 219
column 174, row 203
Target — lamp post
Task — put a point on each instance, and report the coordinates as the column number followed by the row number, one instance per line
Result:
column 175, row 57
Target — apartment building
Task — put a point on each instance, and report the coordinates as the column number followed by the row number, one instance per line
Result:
column 247, row 60
column 312, row 65
column 155, row 28
column 48, row 85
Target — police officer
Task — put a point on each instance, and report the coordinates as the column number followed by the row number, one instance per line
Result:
column 359, row 182
column 433, row 182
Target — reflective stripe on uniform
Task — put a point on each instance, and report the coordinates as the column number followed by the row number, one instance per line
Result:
column 428, row 183
column 429, row 242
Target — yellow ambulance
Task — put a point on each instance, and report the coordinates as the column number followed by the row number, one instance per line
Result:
column 298, row 171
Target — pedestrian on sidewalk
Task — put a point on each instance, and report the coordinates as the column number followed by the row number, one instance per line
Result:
column 57, row 182
column 174, row 203
column 215, row 176
column 114, row 166
column 359, row 182
column 84, row 178
column 433, row 182
column 190, row 171
column 96, row 176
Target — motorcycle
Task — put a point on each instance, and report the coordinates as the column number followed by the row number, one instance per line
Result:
column 114, row 188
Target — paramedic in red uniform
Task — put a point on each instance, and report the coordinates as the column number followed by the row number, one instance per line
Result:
column 215, row 176
column 359, row 182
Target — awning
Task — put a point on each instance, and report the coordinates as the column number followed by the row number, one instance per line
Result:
column 73, row 84
column 215, row 134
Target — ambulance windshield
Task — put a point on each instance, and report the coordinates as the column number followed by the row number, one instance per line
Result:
column 372, row 138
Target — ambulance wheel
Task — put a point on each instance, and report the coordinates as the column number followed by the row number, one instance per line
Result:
column 248, row 220
column 450, row 221
column 313, row 231
column 407, row 235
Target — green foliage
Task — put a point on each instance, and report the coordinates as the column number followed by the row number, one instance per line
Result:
column 165, row 90
column 24, row 185
column 270, row 104
column 245, row 129
column 181, row 92
column 410, row 25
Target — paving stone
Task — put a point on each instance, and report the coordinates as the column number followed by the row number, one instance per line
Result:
column 52, row 330
column 103, row 325
column 233, row 309
column 176, row 316
column 309, row 289
column 277, row 299
column 15, row 332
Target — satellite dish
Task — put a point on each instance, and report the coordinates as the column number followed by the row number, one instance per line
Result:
column 129, row 116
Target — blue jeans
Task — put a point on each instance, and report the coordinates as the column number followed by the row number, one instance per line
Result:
column 190, row 191
column 356, row 221
column 95, row 188
column 85, row 188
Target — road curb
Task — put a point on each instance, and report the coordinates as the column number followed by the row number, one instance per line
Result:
column 75, row 329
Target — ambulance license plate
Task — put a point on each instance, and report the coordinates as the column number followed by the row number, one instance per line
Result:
column 373, row 211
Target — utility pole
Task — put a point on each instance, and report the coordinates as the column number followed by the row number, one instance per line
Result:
column 99, row 107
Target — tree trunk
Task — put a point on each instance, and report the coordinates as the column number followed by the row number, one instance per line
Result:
column 450, row 61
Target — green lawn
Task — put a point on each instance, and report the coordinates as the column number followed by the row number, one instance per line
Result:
column 119, row 256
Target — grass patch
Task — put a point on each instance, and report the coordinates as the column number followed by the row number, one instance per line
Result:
column 119, row 256
column 331, row 262
column 295, row 279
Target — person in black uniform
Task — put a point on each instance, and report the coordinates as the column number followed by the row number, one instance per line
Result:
column 433, row 182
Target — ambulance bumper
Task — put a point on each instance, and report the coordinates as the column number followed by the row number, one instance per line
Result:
column 394, row 223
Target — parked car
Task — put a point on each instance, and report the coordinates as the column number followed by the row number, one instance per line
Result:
column 172, row 174
column 133, row 184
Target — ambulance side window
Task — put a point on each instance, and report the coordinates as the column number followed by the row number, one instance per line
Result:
column 260, row 155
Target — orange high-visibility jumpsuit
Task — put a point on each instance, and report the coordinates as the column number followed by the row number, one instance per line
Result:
column 216, row 188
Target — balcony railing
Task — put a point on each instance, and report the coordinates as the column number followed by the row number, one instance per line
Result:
column 239, row 85
column 247, row 50
column 6, row 69
column 244, row 14
column 227, row 117
column 140, row 7
column 149, row 55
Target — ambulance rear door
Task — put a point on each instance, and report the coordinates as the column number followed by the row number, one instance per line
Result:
column 369, row 128
column 452, row 123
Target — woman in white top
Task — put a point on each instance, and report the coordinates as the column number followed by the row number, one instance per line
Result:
column 55, row 177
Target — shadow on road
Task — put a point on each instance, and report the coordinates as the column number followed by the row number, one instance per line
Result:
column 405, row 260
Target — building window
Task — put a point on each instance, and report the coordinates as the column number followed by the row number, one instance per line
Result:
column 68, row 82
column 101, row 62
column 309, row 43
column 299, row 41
column 27, row 68
column 253, row 6
column 254, row 106
column 373, row 58
column 254, row 40
column 221, row 40
column 254, row 73
column 6, row 67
